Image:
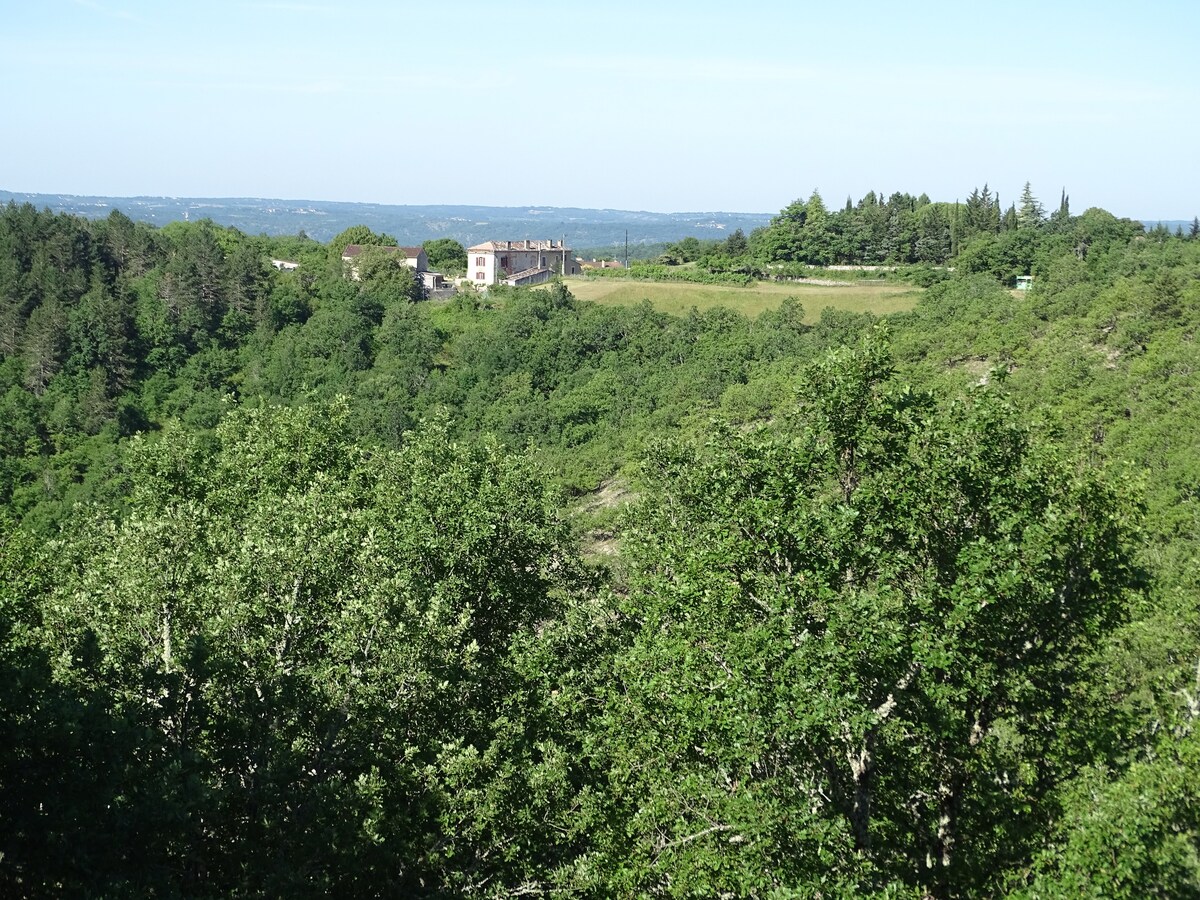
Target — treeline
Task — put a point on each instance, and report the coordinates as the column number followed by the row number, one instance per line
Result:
column 901, row 230
column 292, row 604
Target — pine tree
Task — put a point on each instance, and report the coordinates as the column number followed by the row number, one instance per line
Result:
column 982, row 214
column 44, row 344
column 816, row 207
column 1031, row 212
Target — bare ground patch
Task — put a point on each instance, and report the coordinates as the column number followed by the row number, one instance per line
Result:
column 599, row 536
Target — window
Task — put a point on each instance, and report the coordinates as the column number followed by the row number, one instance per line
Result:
column 479, row 276
column 479, row 261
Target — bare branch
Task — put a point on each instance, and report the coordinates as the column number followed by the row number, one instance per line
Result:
column 663, row 848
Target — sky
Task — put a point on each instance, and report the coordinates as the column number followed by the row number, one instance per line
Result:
column 662, row 106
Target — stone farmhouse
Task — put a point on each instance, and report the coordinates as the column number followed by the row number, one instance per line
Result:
column 519, row 262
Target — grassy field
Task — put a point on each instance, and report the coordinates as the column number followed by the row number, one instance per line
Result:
column 678, row 297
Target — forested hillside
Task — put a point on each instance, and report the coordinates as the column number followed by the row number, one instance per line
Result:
column 302, row 586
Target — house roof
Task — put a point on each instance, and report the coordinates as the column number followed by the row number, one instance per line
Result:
column 353, row 250
column 494, row 246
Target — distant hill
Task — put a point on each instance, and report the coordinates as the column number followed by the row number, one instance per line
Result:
column 1170, row 224
column 321, row 220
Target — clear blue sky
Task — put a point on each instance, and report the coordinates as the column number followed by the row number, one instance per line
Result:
column 661, row 106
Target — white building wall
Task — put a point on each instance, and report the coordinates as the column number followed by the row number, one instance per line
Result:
column 481, row 267
column 492, row 266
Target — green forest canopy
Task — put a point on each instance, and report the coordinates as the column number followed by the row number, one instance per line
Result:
column 293, row 599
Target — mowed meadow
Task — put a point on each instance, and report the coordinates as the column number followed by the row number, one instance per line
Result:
column 676, row 298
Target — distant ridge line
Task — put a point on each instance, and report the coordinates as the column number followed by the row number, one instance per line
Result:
column 26, row 196
column 323, row 219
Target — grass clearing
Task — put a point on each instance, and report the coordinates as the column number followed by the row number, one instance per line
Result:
column 677, row 298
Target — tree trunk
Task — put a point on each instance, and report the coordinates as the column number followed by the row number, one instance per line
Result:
column 860, row 813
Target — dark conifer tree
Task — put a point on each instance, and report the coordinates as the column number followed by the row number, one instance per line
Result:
column 1010, row 221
